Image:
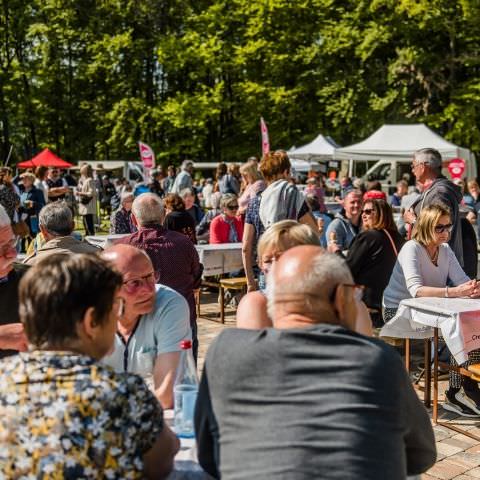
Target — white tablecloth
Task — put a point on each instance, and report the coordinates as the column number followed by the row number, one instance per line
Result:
column 457, row 318
column 216, row 259
column 220, row 258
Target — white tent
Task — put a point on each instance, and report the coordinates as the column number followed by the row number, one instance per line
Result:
column 322, row 148
column 398, row 142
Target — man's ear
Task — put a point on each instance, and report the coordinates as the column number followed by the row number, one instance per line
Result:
column 89, row 324
column 342, row 307
column 134, row 220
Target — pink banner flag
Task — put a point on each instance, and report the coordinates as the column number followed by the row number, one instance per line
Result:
column 147, row 155
column 265, row 140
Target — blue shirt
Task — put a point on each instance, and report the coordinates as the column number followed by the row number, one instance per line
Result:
column 160, row 331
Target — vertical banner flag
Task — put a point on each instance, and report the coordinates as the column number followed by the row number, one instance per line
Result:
column 147, row 155
column 265, row 140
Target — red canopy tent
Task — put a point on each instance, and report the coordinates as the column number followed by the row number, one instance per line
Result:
column 46, row 158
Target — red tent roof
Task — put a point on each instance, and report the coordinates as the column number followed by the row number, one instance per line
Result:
column 46, row 158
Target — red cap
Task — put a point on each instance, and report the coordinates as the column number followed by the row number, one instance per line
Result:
column 185, row 344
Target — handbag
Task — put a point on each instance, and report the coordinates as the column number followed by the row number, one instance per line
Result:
column 85, row 200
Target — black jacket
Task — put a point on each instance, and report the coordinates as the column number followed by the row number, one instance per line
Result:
column 371, row 259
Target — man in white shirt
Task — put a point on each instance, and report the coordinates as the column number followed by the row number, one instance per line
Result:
column 155, row 321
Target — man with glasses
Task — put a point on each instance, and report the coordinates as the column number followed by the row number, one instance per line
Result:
column 228, row 226
column 436, row 189
column 309, row 398
column 151, row 325
column 57, row 186
column 175, row 260
column 11, row 330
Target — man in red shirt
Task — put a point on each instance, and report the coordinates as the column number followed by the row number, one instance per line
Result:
column 175, row 260
column 228, row 226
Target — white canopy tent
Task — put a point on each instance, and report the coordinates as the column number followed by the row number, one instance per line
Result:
column 307, row 157
column 322, row 148
column 399, row 142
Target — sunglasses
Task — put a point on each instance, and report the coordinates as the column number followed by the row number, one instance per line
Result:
column 367, row 211
column 443, row 228
column 233, row 207
column 357, row 291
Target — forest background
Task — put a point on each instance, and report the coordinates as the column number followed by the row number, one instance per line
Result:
column 89, row 78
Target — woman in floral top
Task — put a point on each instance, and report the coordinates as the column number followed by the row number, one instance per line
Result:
column 62, row 414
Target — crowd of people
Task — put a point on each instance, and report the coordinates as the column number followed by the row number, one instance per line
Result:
column 90, row 338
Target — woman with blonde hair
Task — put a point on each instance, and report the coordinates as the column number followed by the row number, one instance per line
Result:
column 427, row 267
column 281, row 236
column 254, row 184
column 87, row 198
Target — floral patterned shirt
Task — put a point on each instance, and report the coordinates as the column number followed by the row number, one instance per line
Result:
column 62, row 415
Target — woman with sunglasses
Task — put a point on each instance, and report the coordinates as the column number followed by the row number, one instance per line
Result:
column 427, row 267
column 373, row 253
column 228, row 226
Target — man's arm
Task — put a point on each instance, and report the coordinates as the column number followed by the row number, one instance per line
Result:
column 12, row 337
column 197, row 268
column 164, row 372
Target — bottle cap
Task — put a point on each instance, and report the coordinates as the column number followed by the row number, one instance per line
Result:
column 185, row 344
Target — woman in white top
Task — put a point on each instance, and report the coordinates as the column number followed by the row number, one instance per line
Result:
column 427, row 267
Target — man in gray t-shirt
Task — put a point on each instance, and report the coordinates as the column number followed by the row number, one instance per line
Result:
column 309, row 398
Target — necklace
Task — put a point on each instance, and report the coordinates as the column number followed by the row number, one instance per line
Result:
column 434, row 257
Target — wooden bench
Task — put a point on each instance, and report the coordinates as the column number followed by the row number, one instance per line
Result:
column 239, row 283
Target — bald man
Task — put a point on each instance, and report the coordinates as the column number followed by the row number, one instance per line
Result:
column 309, row 398
column 155, row 321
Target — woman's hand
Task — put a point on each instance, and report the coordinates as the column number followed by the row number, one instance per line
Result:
column 468, row 289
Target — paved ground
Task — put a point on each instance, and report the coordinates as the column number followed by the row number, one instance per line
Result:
column 458, row 455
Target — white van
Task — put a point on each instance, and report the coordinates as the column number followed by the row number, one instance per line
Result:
column 389, row 172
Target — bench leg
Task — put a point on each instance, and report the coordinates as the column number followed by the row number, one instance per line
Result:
column 222, row 304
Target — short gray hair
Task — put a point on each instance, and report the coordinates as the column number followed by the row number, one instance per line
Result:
column 148, row 208
column 57, row 218
column 187, row 164
column 430, row 156
column 226, row 199
column 187, row 191
column 318, row 283
column 4, row 218
column 125, row 196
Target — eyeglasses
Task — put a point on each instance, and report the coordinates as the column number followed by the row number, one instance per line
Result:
column 131, row 286
column 357, row 290
column 9, row 246
column 443, row 228
column 121, row 306
column 367, row 211
column 232, row 207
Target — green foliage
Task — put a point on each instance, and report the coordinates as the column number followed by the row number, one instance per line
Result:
column 191, row 78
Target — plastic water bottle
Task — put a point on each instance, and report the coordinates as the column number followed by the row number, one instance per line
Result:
column 185, row 392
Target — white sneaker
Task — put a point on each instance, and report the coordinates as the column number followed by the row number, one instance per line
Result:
column 464, row 399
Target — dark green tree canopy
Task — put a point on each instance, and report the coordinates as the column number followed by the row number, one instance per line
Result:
column 192, row 78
